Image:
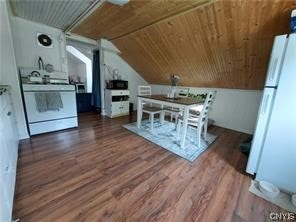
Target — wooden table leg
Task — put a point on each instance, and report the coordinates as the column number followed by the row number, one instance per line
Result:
column 139, row 112
column 185, row 124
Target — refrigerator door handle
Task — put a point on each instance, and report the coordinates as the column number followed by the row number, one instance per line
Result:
column 271, row 76
column 265, row 104
column 264, row 113
column 276, row 58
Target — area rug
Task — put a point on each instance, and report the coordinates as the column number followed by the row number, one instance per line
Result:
column 165, row 135
column 283, row 200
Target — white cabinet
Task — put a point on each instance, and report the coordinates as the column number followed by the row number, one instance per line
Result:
column 116, row 102
column 8, row 155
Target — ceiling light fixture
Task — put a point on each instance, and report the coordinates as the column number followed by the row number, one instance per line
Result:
column 118, row 2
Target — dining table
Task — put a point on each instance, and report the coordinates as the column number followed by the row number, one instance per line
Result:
column 182, row 103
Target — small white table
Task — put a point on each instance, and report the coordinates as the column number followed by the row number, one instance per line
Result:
column 182, row 103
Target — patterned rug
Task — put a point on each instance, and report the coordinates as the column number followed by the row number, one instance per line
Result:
column 165, row 136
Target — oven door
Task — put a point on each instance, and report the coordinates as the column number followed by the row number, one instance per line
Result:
column 68, row 110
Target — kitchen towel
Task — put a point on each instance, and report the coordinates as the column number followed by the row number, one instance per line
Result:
column 54, row 101
column 41, row 104
column 46, row 101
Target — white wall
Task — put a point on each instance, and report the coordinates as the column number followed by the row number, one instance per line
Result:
column 233, row 108
column 83, row 47
column 110, row 57
column 27, row 50
column 8, row 69
column 126, row 72
column 86, row 48
column 77, row 69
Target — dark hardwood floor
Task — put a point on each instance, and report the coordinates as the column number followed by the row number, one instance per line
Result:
column 102, row 172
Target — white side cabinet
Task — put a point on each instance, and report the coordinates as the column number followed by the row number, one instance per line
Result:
column 116, row 102
column 8, row 155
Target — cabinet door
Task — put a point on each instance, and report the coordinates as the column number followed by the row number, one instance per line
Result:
column 4, row 100
column 4, row 156
column 116, row 107
column 8, row 160
column 124, row 107
column 120, row 107
column 5, row 214
column 10, row 136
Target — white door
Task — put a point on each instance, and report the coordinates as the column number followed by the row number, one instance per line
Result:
column 275, row 61
column 278, row 161
column 261, row 127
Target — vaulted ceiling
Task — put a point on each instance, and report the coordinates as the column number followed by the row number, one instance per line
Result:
column 224, row 44
column 209, row 43
column 112, row 21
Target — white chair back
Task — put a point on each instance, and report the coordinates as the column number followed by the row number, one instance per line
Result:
column 144, row 90
column 182, row 92
column 206, row 106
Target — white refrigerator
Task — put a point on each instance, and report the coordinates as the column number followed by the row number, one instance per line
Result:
column 273, row 151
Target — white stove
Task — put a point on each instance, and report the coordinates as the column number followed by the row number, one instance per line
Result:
column 48, row 87
column 50, row 120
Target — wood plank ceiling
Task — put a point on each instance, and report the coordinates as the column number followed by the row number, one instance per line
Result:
column 224, row 44
column 112, row 21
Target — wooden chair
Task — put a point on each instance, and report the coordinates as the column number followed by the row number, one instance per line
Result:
column 196, row 110
column 175, row 112
column 199, row 121
column 144, row 90
column 149, row 108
